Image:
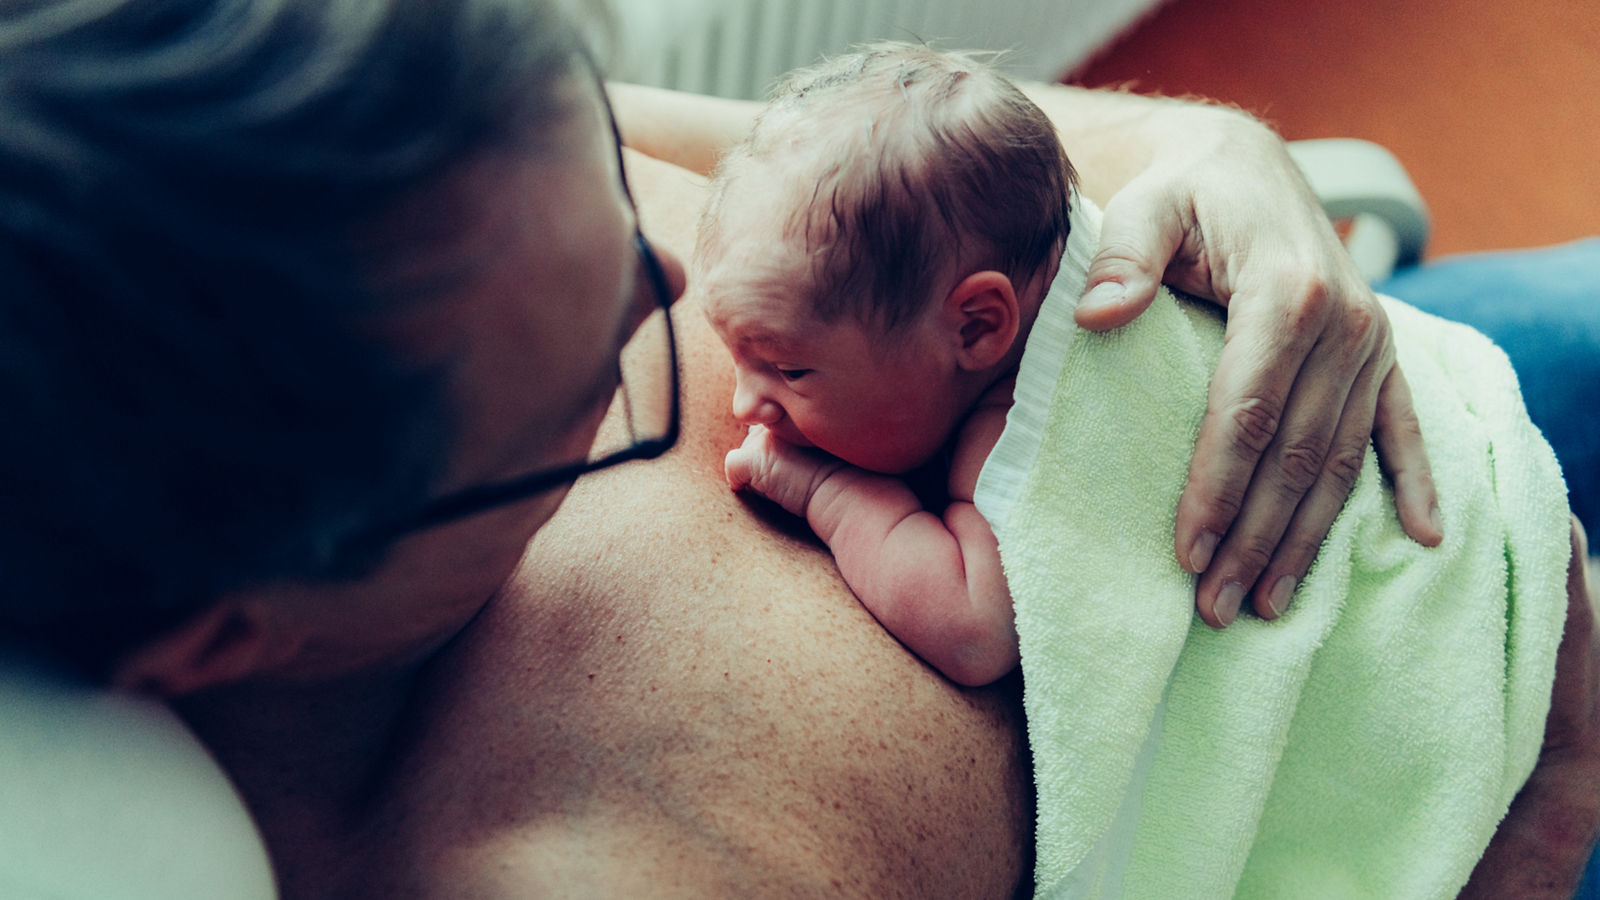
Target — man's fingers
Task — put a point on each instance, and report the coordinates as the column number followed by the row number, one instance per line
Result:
column 1244, row 412
column 1232, row 438
column 1315, row 515
column 1137, row 238
column 1112, row 304
column 1295, row 461
column 1398, row 437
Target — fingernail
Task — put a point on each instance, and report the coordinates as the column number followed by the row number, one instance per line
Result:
column 1436, row 521
column 1200, row 552
column 1281, row 592
column 1228, row 600
column 1106, row 293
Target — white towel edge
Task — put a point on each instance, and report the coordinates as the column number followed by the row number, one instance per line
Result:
column 1005, row 471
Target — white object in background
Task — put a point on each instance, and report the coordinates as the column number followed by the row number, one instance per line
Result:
column 104, row 795
column 1363, row 182
column 737, row 48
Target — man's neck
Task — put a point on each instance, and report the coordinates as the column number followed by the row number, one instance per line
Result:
column 311, row 760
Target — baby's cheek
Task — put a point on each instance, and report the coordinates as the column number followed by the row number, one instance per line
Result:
column 853, row 450
column 887, row 451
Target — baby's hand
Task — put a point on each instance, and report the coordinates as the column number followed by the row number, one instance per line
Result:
column 783, row 473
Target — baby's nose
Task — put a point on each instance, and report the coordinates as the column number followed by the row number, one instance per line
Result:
column 751, row 406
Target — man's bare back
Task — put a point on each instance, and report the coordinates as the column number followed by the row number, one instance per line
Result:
column 674, row 698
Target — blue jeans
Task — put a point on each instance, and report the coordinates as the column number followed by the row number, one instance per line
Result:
column 1543, row 308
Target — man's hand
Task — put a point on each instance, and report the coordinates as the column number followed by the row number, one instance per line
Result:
column 1307, row 373
column 1546, row 838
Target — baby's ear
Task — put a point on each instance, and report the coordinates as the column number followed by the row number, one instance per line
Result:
column 984, row 317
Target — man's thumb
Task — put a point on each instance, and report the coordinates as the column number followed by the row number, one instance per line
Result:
column 1137, row 240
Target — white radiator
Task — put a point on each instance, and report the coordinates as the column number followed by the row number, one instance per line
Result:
column 737, row 48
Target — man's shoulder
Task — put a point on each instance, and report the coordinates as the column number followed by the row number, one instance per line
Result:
column 565, row 858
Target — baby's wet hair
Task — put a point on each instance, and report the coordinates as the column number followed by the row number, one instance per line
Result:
column 913, row 165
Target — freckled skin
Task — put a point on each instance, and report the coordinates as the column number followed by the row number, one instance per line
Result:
column 673, row 698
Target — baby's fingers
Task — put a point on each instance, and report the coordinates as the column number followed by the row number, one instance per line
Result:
column 740, row 464
column 738, row 467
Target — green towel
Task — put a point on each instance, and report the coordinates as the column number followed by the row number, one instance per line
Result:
column 1367, row 743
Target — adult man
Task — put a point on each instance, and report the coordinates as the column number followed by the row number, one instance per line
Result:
column 341, row 607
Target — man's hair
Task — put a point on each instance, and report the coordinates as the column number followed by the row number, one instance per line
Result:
column 189, row 403
column 916, row 164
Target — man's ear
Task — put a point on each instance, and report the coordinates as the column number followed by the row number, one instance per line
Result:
column 982, row 309
column 221, row 644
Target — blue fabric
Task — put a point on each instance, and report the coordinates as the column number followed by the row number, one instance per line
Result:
column 1543, row 308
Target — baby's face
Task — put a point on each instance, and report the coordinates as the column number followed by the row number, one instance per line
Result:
column 883, row 402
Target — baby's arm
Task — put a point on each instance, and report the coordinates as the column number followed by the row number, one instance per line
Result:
column 934, row 583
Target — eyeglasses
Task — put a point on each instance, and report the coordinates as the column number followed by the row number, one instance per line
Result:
column 647, row 397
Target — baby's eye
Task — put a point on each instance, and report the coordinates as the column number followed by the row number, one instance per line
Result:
column 792, row 374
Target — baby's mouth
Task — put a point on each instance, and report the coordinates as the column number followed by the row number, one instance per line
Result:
column 790, row 434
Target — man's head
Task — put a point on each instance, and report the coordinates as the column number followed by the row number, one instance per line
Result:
column 889, row 204
column 266, row 265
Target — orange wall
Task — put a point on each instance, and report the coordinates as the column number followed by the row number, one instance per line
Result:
column 1493, row 107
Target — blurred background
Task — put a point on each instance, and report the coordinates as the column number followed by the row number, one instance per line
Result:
column 1493, row 108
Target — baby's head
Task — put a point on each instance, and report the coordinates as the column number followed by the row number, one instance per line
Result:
column 875, row 250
